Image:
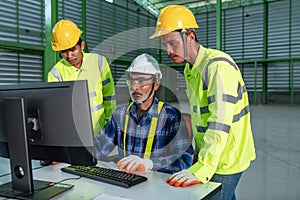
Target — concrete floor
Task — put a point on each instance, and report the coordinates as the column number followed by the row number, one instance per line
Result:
column 275, row 174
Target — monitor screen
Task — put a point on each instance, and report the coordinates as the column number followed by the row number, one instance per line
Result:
column 44, row 121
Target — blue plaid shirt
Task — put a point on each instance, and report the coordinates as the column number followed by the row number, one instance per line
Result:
column 171, row 150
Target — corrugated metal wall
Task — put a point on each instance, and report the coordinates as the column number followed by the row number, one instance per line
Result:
column 113, row 30
column 243, row 38
column 120, row 31
column 21, row 29
column 282, row 29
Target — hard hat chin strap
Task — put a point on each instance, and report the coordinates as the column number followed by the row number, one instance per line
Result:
column 184, row 36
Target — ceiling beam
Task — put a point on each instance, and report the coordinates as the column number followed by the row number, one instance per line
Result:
column 152, row 9
column 196, row 6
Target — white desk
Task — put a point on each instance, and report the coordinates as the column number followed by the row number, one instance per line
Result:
column 154, row 188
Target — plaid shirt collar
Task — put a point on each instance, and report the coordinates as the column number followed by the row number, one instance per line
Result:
column 152, row 111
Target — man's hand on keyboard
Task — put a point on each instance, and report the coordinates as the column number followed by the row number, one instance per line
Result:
column 132, row 163
column 183, row 178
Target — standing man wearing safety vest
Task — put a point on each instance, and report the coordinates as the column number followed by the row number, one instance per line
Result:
column 218, row 104
column 77, row 65
column 149, row 133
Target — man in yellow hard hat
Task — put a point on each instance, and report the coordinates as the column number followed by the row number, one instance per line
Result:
column 219, row 105
column 78, row 65
column 149, row 133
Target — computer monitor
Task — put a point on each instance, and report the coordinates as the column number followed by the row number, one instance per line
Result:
column 44, row 121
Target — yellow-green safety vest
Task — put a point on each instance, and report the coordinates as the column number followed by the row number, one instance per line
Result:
column 220, row 115
column 96, row 71
column 151, row 133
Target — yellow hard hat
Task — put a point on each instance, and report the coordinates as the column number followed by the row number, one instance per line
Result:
column 172, row 18
column 65, row 35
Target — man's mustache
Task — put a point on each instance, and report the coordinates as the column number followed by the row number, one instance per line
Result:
column 136, row 93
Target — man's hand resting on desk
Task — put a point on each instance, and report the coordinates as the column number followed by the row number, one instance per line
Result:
column 183, row 178
column 132, row 163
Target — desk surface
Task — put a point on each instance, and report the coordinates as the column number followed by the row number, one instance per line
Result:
column 154, row 188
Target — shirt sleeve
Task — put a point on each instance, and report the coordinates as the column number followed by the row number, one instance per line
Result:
column 105, row 140
column 178, row 153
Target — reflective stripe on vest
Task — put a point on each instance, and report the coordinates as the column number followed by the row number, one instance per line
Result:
column 56, row 74
column 100, row 64
column 205, row 76
column 152, row 130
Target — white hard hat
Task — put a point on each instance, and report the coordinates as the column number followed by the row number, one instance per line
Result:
column 145, row 64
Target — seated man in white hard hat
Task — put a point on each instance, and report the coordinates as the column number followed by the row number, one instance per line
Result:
column 149, row 133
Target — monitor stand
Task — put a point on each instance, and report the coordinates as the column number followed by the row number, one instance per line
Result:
column 22, row 185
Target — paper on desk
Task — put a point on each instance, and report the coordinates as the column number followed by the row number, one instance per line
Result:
column 109, row 197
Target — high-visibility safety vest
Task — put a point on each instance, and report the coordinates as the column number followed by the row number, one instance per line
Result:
column 220, row 115
column 151, row 133
column 96, row 71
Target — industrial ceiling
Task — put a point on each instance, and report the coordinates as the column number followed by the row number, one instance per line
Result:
column 154, row 6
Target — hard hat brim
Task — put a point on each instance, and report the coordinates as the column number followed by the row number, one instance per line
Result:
column 61, row 48
column 160, row 32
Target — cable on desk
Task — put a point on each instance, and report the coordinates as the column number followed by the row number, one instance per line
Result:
column 2, row 175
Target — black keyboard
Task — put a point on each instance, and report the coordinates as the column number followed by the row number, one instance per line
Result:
column 112, row 176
